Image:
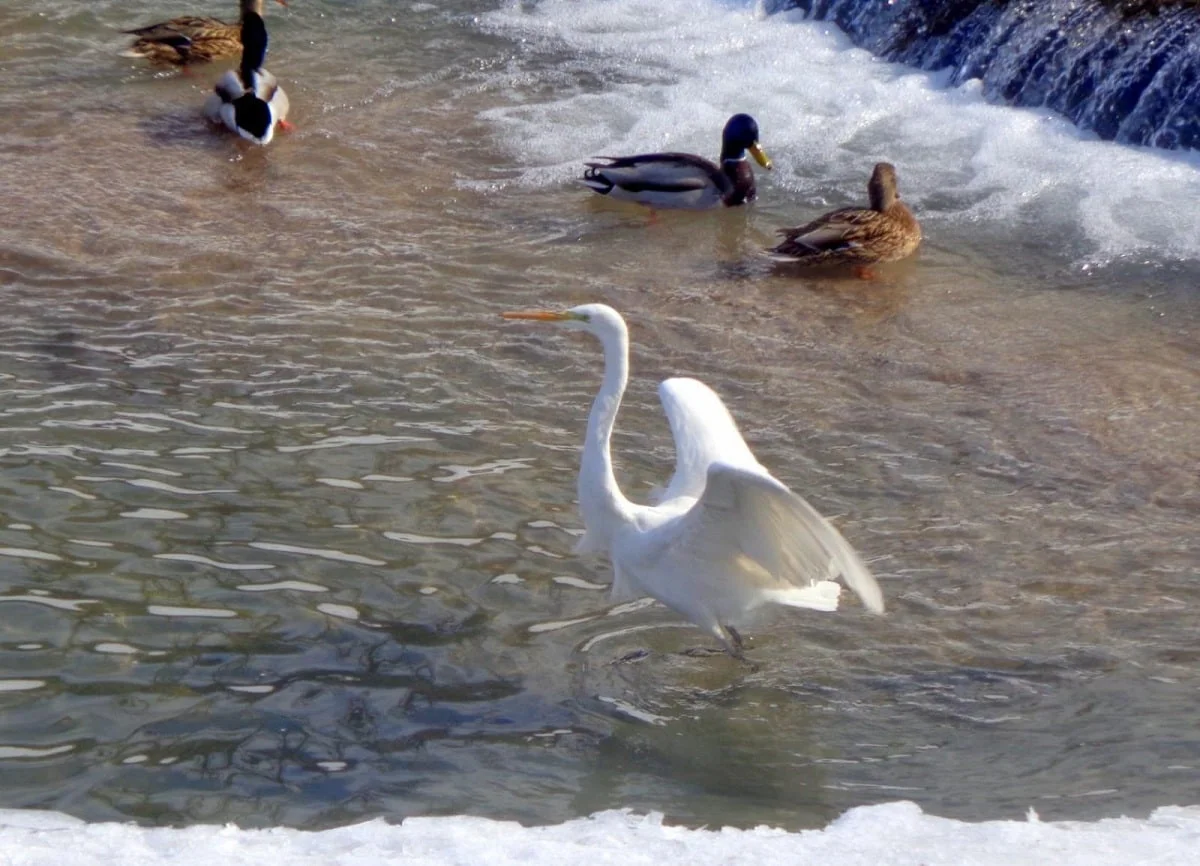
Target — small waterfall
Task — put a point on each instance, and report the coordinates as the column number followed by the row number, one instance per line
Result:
column 1128, row 70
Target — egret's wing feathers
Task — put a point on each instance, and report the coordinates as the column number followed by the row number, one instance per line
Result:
column 704, row 433
column 749, row 536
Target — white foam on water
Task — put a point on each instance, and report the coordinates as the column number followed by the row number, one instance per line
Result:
column 20, row 685
column 281, row 585
column 674, row 70
column 204, row 560
column 26, row 553
column 578, row 582
column 892, row 834
column 320, row 553
column 40, row 598
column 17, row 752
column 341, row 611
column 155, row 514
column 344, row 483
column 172, row 610
column 413, row 538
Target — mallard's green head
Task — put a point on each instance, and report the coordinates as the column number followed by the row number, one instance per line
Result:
column 741, row 135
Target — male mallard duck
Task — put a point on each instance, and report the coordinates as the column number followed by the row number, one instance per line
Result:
column 249, row 101
column 682, row 180
column 191, row 38
column 885, row 232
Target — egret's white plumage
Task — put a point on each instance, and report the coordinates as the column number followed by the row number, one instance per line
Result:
column 726, row 537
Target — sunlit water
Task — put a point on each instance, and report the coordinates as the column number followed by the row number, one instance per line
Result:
column 288, row 510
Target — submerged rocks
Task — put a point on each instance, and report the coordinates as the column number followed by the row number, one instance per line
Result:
column 1127, row 69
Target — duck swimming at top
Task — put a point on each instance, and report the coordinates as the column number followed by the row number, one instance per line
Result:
column 683, row 180
column 191, row 38
column 250, row 101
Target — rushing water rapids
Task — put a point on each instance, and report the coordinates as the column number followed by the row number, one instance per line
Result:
column 288, row 510
column 1126, row 69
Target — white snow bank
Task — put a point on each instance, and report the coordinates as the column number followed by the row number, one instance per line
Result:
column 886, row 835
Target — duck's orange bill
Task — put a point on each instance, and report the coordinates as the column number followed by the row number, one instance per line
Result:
column 760, row 156
column 536, row 315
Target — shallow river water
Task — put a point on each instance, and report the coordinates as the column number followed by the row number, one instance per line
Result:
column 286, row 509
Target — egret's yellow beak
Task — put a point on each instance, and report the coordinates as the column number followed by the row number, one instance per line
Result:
column 538, row 315
column 760, row 156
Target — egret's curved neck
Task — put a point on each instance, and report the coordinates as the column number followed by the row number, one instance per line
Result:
column 601, row 502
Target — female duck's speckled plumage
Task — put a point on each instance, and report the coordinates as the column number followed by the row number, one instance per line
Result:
column 885, row 232
column 684, row 180
column 192, row 38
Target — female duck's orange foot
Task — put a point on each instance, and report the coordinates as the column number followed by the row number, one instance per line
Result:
column 287, row 126
column 864, row 273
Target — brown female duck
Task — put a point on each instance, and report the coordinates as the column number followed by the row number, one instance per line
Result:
column 885, row 232
column 192, row 38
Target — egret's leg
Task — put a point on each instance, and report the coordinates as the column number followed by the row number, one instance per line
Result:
column 730, row 640
column 737, row 638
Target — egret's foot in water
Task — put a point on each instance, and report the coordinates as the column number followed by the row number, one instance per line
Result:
column 736, row 647
column 737, row 654
column 730, row 639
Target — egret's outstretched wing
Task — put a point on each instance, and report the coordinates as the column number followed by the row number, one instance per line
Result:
column 749, row 539
column 704, row 433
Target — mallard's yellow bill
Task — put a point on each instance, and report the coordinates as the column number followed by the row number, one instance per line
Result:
column 537, row 315
column 760, row 156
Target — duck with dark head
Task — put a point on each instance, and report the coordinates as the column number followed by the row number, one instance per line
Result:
column 250, row 101
column 684, row 180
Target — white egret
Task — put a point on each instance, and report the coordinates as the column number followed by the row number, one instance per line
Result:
column 726, row 537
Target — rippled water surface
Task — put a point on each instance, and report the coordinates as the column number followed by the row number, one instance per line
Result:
column 286, row 510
